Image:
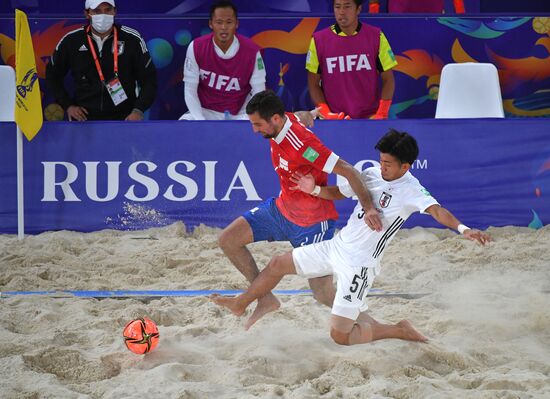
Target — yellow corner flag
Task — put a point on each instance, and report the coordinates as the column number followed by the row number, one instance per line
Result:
column 28, row 103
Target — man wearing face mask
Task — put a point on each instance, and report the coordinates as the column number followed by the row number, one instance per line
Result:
column 107, row 61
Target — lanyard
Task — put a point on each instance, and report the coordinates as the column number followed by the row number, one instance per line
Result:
column 94, row 54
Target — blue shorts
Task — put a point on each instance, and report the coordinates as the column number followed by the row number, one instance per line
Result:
column 269, row 224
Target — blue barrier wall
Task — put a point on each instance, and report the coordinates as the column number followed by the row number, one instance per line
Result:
column 93, row 176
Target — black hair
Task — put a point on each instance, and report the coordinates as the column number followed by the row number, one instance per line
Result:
column 222, row 4
column 357, row 2
column 401, row 145
column 266, row 103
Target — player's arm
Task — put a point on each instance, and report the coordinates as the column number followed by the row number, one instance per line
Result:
column 385, row 62
column 257, row 79
column 314, row 87
column 56, row 70
column 146, row 78
column 447, row 219
column 191, row 74
column 388, row 85
column 344, row 169
column 306, row 183
column 257, row 82
column 307, row 118
column 313, row 74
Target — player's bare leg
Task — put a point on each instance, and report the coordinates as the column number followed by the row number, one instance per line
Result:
column 269, row 303
column 409, row 333
column 230, row 303
column 323, row 290
column 268, row 279
column 365, row 329
column 233, row 241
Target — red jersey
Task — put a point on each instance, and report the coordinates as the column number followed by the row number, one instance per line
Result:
column 297, row 149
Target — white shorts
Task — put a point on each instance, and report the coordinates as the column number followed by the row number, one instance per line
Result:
column 353, row 283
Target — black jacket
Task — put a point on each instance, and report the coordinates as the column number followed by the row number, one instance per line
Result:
column 134, row 65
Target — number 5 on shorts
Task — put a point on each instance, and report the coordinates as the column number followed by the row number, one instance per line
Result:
column 355, row 284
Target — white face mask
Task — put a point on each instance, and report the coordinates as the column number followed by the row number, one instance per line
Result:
column 102, row 22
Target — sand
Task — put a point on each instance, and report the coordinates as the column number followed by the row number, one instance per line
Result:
column 487, row 314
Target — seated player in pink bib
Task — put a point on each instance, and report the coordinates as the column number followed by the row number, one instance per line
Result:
column 223, row 70
column 349, row 67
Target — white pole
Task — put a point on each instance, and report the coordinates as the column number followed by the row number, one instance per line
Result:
column 20, row 196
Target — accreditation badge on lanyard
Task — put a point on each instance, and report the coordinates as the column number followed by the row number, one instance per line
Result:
column 113, row 86
column 116, row 91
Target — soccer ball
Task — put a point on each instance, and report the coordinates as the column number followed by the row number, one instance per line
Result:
column 141, row 335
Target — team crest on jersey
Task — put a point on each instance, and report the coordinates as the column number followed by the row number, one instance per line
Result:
column 120, row 48
column 384, row 200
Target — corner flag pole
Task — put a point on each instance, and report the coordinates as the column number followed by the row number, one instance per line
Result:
column 28, row 103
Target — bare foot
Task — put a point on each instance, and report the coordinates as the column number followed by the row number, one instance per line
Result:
column 229, row 303
column 266, row 304
column 409, row 332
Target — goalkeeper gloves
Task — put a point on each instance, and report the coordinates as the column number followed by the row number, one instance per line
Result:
column 459, row 6
column 326, row 113
column 383, row 110
column 374, row 8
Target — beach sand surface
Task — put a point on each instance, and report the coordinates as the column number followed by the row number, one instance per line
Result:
column 486, row 312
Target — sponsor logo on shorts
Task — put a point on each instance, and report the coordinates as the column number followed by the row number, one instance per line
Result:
column 347, row 298
column 385, row 199
column 310, row 154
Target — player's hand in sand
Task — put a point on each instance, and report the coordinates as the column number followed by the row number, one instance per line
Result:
column 477, row 235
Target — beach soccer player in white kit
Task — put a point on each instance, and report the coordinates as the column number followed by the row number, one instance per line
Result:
column 354, row 254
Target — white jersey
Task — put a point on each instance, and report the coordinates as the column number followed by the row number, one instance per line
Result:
column 357, row 244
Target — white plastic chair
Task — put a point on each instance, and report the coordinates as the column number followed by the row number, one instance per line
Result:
column 469, row 90
column 7, row 93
